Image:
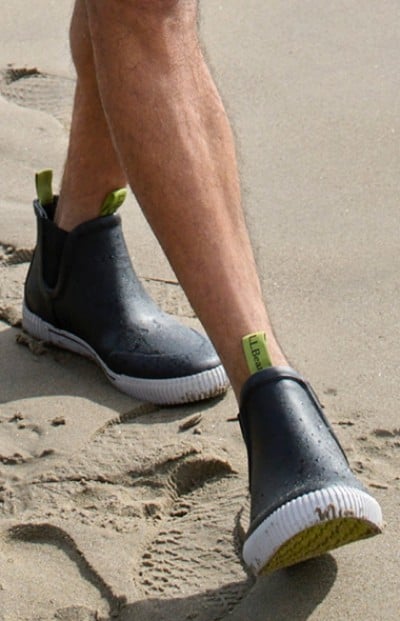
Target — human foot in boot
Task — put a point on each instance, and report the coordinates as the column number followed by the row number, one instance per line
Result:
column 82, row 294
column 305, row 500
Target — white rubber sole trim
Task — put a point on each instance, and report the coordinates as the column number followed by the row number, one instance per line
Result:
column 172, row 391
column 300, row 514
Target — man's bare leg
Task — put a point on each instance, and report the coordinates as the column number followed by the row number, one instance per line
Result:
column 92, row 168
column 85, row 272
column 174, row 138
column 172, row 135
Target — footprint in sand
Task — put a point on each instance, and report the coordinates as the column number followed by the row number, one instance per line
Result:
column 379, row 453
column 30, row 88
column 144, row 512
column 198, row 545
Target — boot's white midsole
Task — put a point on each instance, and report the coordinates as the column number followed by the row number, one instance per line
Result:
column 162, row 391
column 304, row 512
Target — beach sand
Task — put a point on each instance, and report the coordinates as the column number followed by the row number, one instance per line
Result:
column 116, row 509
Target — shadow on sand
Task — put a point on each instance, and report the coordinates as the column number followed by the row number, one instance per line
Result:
column 56, row 373
column 291, row 594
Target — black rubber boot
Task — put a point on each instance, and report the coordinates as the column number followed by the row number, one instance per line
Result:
column 304, row 498
column 82, row 294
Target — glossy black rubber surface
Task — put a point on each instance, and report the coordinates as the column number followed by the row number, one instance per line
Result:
column 86, row 285
column 292, row 449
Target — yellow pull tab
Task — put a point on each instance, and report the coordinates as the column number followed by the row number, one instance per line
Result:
column 256, row 351
column 44, row 181
column 112, row 202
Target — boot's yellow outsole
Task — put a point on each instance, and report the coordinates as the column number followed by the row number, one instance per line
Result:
column 319, row 539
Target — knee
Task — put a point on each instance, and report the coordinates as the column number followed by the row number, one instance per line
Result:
column 140, row 14
column 152, row 7
column 156, row 7
column 160, row 29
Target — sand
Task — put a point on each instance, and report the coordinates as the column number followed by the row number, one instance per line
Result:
column 116, row 509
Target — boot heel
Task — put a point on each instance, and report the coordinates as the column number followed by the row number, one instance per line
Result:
column 34, row 325
column 44, row 331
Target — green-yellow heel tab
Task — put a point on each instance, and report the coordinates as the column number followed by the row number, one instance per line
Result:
column 256, row 351
column 113, row 202
column 44, row 181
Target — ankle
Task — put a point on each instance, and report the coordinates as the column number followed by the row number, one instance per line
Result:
column 73, row 211
column 255, row 356
column 68, row 218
